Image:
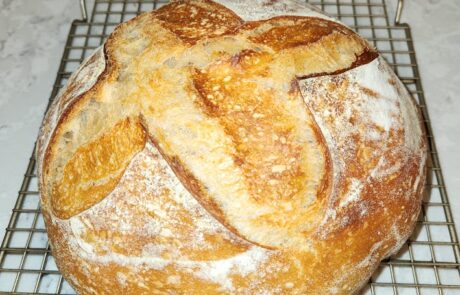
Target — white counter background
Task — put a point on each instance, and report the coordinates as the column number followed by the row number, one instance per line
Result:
column 32, row 36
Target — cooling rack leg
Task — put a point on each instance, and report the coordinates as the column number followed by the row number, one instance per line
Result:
column 399, row 9
column 84, row 12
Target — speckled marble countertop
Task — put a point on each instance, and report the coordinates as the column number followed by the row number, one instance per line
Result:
column 32, row 35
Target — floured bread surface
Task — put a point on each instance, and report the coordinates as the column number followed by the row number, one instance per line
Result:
column 246, row 148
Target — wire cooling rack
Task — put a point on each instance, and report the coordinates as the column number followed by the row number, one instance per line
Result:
column 427, row 264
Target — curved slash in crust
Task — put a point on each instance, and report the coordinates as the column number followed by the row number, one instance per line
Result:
column 195, row 187
column 365, row 57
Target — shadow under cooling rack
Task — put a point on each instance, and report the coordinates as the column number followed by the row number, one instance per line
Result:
column 427, row 264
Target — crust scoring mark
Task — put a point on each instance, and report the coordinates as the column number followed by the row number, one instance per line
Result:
column 364, row 58
column 96, row 168
column 196, row 188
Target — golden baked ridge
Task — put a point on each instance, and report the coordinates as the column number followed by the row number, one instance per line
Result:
column 234, row 147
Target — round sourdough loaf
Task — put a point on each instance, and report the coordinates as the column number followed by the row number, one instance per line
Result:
column 243, row 147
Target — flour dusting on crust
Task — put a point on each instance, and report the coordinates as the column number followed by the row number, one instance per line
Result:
column 155, row 224
column 263, row 9
column 362, row 115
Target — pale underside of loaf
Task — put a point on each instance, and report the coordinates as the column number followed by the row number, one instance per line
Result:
column 231, row 154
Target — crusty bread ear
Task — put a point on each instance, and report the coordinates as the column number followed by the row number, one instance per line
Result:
column 96, row 168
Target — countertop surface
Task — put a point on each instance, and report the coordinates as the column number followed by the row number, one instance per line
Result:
column 32, row 35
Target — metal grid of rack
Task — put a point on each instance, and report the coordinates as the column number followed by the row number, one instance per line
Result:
column 427, row 264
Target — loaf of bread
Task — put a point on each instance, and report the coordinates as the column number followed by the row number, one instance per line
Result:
column 230, row 147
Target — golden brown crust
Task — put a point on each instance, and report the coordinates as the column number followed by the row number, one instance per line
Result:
column 96, row 168
column 284, row 157
column 240, row 107
column 204, row 19
column 293, row 31
column 363, row 58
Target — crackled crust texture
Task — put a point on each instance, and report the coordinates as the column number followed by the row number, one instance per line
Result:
column 230, row 147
